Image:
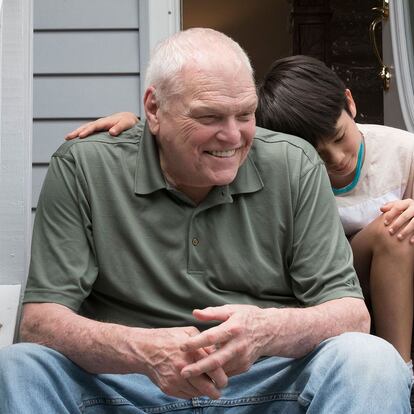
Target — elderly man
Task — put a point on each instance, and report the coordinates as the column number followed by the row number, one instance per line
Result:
column 195, row 265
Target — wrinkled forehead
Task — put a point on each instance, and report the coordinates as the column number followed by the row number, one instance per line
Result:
column 213, row 84
column 217, row 74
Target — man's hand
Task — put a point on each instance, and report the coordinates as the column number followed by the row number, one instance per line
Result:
column 399, row 216
column 239, row 340
column 114, row 124
column 119, row 349
column 165, row 360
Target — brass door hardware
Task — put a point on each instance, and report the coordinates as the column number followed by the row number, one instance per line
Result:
column 384, row 12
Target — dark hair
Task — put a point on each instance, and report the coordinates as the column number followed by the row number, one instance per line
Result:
column 301, row 96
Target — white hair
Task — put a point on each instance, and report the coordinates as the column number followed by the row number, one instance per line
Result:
column 196, row 47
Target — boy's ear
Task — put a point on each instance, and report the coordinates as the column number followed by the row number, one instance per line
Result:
column 151, row 108
column 351, row 103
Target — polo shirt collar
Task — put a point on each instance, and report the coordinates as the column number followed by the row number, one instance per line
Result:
column 148, row 174
column 248, row 179
column 149, row 177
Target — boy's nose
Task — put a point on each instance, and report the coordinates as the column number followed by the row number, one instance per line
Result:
column 335, row 159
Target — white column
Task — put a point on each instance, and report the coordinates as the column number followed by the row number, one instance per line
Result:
column 157, row 20
column 16, row 34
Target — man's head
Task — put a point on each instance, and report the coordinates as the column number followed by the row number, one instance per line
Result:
column 301, row 96
column 200, row 104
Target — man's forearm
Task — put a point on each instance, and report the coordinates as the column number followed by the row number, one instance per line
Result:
column 95, row 346
column 294, row 332
column 99, row 347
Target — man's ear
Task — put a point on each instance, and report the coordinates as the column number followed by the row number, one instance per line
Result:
column 351, row 103
column 151, row 108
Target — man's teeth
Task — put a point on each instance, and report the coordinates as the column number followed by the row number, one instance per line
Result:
column 223, row 154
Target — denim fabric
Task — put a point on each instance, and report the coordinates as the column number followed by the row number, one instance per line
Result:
column 351, row 373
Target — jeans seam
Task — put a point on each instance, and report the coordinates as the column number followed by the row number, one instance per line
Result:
column 223, row 402
column 90, row 402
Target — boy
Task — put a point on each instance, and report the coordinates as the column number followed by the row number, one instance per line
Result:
column 371, row 171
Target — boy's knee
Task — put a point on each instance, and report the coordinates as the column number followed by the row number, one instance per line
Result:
column 385, row 243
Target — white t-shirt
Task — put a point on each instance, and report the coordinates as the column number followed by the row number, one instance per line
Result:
column 386, row 175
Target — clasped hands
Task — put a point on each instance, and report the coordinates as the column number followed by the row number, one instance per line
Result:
column 186, row 363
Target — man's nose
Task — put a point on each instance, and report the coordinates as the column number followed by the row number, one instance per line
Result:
column 230, row 131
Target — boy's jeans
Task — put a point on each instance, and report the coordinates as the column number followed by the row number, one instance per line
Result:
column 351, row 373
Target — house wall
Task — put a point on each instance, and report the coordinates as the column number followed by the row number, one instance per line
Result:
column 86, row 65
column 88, row 56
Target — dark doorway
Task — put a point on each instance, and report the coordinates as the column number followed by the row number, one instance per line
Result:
column 335, row 31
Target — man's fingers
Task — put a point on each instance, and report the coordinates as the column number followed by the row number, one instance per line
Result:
column 219, row 377
column 217, row 313
column 205, row 386
column 211, row 337
column 208, row 364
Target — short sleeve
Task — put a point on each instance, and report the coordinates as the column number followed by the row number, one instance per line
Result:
column 322, row 262
column 63, row 267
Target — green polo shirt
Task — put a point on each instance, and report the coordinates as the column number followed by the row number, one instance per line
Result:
column 114, row 242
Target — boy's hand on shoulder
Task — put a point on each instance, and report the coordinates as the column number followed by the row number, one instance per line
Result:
column 114, row 124
column 399, row 217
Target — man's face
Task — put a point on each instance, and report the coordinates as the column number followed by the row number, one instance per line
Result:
column 204, row 134
column 340, row 152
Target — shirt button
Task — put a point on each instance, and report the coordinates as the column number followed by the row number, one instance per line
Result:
column 195, row 241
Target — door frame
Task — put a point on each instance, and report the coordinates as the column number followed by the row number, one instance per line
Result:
column 157, row 20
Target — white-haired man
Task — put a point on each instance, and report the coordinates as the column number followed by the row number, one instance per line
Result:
column 195, row 264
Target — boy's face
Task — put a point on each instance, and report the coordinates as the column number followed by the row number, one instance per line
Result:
column 340, row 152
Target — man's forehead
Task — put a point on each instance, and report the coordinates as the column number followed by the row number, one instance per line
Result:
column 247, row 104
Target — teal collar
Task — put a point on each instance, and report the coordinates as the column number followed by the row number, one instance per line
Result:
column 351, row 186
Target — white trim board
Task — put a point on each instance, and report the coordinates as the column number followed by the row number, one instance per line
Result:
column 157, row 20
column 9, row 304
column 402, row 46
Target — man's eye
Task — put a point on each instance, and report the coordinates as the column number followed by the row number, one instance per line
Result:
column 207, row 118
column 246, row 116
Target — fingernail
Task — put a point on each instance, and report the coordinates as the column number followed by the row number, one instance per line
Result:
column 184, row 348
column 391, row 231
column 386, row 222
column 186, row 374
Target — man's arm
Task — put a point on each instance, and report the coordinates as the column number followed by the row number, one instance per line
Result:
column 101, row 347
column 248, row 332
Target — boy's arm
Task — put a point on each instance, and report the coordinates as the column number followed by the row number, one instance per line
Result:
column 114, row 124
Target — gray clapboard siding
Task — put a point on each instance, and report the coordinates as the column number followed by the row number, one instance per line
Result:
column 86, row 65
column 86, row 52
column 49, row 134
column 84, row 96
column 38, row 175
column 86, row 14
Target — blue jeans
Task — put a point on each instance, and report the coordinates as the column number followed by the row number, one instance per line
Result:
column 351, row 373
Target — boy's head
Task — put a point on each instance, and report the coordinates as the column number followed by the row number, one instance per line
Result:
column 301, row 96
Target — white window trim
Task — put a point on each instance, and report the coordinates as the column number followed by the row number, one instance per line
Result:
column 404, row 68
column 157, row 20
